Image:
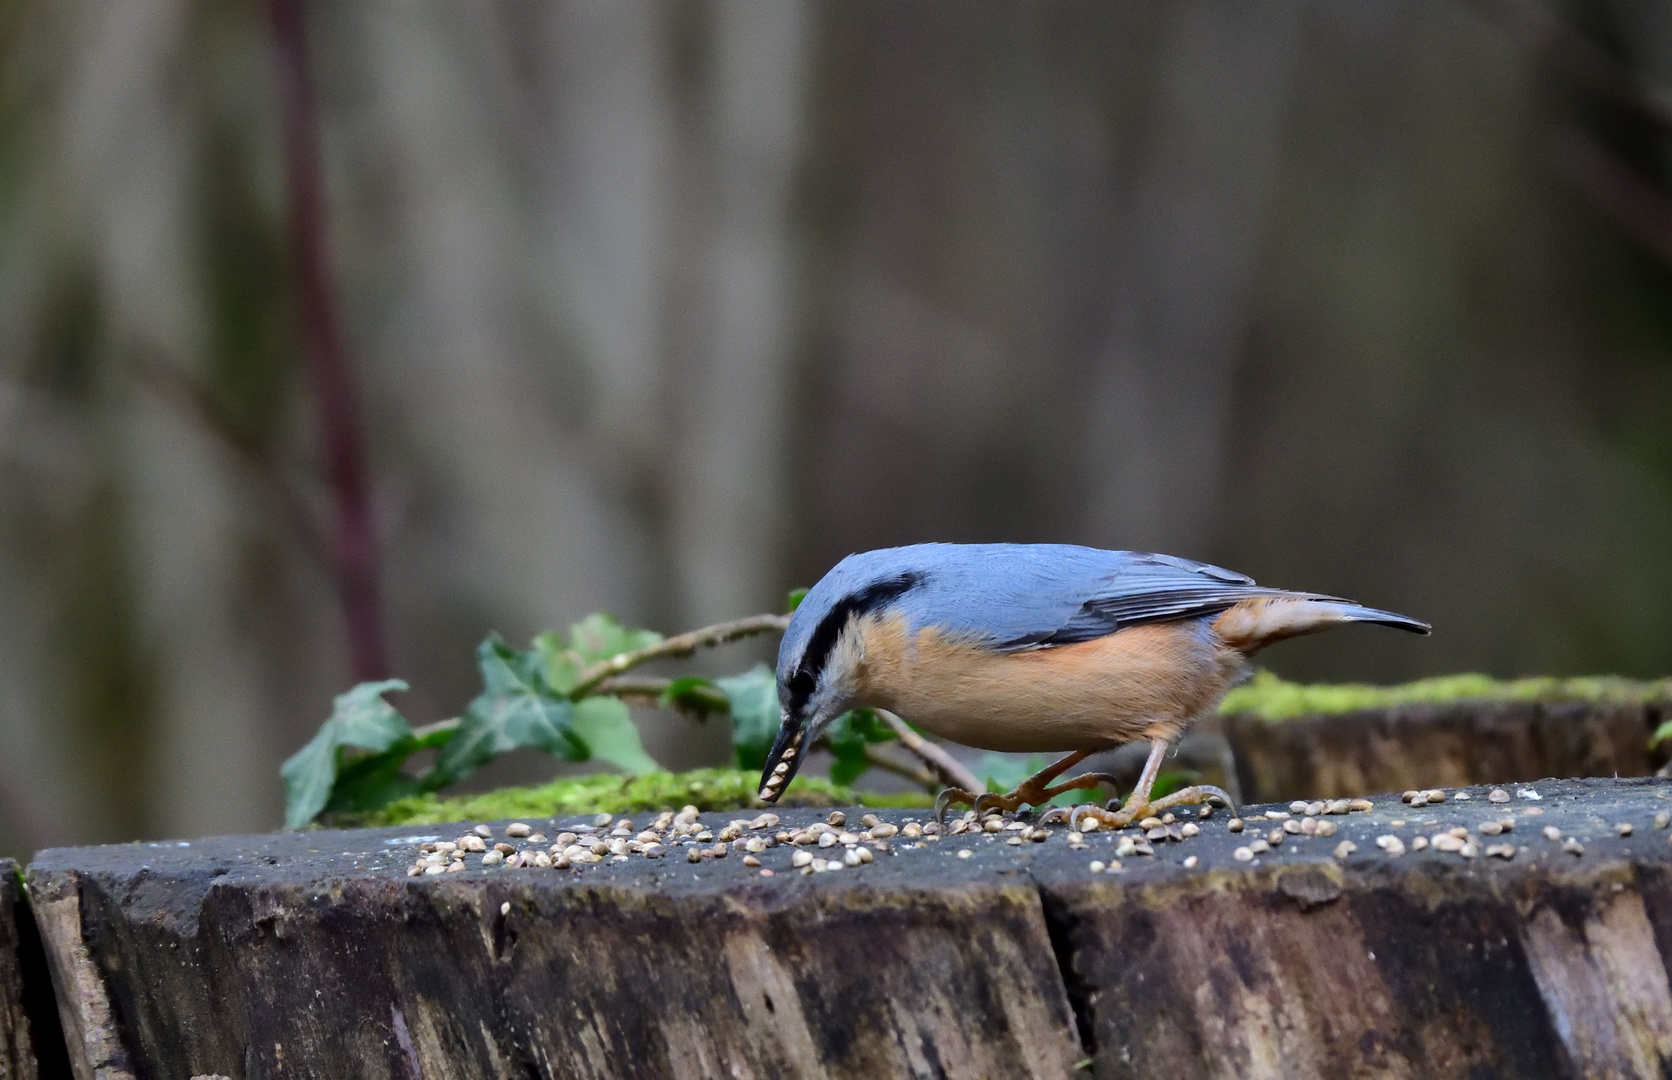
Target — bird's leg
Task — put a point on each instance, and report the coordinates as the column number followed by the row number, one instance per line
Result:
column 1036, row 790
column 1138, row 804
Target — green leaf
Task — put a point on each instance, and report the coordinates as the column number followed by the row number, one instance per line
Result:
column 516, row 708
column 1661, row 734
column 372, row 781
column 562, row 668
column 847, row 737
column 599, row 637
column 796, row 596
column 754, row 710
column 359, row 718
column 694, row 694
column 607, row 728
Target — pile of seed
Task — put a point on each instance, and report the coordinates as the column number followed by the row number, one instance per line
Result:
column 617, row 840
column 1312, row 821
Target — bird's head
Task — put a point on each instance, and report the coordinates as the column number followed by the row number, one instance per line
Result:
column 819, row 657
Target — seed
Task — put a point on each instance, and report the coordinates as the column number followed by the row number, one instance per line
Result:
column 537, row 838
column 1552, row 833
column 958, row 827
column 827, row 839
column 775, row 780
column 1040, row 835
column 911, row 830
column 604, row 819
column 883, row 830
column 729, row 833
column 1235, row 824
column 1326, row 828
column 1502, row 851
column 751, row 861
column 1204, row 812
column 1095, row 866
column 1292, row 827
column 931, row 828
column 1313, row 809
column 1345, row 848
column 851, row 857
column 1360, row 806
column 1090, row 824
column 1298, row 806
column 1339, row 806
column 599, row 848
column 781, row 768
column 1391, row 844
column 1076, row 838
column 1462, row 796
column 482, row 831
column 1663, row 819
column 564, row 839
column 616, row 847
column 864, row 854
column 718, row 850
column 1276, row 815
column 504, row 848
column 1573, row 847
column 693, row 854
column 1167, row 819
column 492, row 858
column 1189, row 829
column 1275, row 837
column 1309, row 827
column 1190, row 862
column 1243, row 854
column 1125, row 847
column 1447, row 842
column 1142, row 847
column 764, row 793
column 542, row 860
column 756, row 844
column 837, row 818
column 1497, row 794
column 1623, row 828
column 514, row 861
column 765, row 821
column 801, row 858
column 819, row 866
column 475, row 844
column 1491, row 828
column 560, row 862
column 964, row 853
column 1407, row 796
column 1155, row 832
column 1421, row 799
column 1459, row 831
column 1013, row 841
column 654, row 851
column 1532, row 811
column 1259, row 847
column 1418, row 843
column 1435, row 795
column 870, row 820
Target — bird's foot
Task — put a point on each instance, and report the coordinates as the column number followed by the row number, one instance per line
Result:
column 1138, row 807
column 1030, row 792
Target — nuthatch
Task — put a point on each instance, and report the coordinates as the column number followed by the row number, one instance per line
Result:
column 1033, row 647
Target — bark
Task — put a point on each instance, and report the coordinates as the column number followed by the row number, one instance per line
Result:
column 314, row 954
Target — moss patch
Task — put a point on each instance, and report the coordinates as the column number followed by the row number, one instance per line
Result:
column 1271, row 698
column 612, row 793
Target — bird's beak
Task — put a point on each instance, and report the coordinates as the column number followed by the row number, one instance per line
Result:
column 785, row 758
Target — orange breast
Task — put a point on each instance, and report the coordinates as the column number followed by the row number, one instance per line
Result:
column 1143, row 682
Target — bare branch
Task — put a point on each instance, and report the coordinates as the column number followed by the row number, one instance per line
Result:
column 680, row 645
column 943, row 765
column 647, row 690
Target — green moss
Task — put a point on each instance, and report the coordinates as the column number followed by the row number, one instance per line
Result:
column 1271, row 698
column 706, row 789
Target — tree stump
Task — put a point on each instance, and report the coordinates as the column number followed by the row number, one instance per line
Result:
column 315, row 954
column 1477, row 741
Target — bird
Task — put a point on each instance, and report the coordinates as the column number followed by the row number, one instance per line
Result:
column 1029, row 648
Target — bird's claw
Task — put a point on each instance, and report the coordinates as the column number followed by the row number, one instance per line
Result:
column 1136, row 808
column 947, row 798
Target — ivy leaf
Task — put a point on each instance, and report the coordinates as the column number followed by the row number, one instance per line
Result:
column 359, row 718
column 516, row 708
column 599, row 637
column 695, row 695
column 754, row 711
column 372, row 781
column 607, row 729
column 1662, row 733
column 847, row 736
column 562, row 668
column 795, row 598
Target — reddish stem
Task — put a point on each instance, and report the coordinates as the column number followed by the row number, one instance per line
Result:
column 339, row 409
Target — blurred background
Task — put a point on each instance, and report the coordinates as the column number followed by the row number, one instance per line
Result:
column 661, row 308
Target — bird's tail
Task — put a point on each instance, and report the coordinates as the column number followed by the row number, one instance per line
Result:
column 1255, row 623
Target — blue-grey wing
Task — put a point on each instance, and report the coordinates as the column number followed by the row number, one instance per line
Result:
column 1028, row 596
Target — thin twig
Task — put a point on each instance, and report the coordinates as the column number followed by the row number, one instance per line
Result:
column 681, row 645
column 875, row 758
column 943, row 765
column 648, row 690
column 339, row 408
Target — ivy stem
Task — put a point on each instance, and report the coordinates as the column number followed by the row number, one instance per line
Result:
column 943, row 765
column 679, row 645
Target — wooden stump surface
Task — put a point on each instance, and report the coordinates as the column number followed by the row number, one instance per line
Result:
column 315, row 954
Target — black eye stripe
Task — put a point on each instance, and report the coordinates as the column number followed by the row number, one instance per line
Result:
column 823, row 638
